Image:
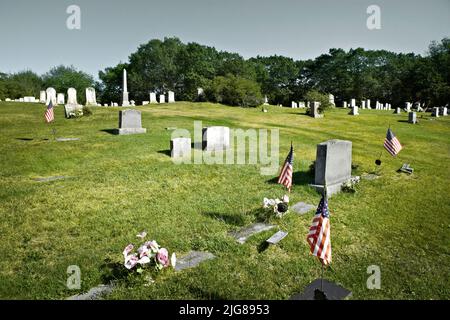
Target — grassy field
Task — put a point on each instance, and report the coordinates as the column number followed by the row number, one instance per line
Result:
column 118, row 186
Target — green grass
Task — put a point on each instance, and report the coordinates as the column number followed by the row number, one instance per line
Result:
column 121, row 185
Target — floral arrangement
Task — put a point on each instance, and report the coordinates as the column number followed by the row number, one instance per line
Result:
column 149, row 253
column 280, row 207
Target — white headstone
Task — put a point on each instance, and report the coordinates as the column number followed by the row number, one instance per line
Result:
column 51, row 96
column 331, row 99
column 345, row 104
column 91, row 99
column 216, row 138
column 354, row 111
column 435, row 112
column 144, row 103
column 153, row 97
column 42, row 97
column 368, row 104
column 72, row 96
column 353, row 103
column 60, row 99
column 171, row 97
column 301, row 104
column 180, row 148
column 444, row 111
column 363, row 104
column 162, row 98
column 266, row 100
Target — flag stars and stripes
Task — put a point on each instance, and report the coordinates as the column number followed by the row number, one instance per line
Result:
column 391, row 143
column 286, row 172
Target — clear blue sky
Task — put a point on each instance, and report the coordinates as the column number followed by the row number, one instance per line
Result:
column 33, row 34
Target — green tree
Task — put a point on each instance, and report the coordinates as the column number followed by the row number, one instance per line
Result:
column 234, row 91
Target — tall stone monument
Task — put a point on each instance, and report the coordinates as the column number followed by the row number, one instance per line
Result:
column 125, row 102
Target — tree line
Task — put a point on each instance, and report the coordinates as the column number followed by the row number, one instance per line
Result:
column 225, row 77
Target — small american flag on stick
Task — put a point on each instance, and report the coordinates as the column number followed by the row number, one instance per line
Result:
column 391, row 143
column 319, row 233
column 49, row 115
column 286, row 172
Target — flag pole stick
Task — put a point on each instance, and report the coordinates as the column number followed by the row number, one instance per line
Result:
column 321, row 280
column 325, row 191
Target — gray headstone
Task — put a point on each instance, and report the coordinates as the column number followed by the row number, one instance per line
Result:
column 130, row 122
column 277, row 237
column 242, row 235
column 333, row 164
column 192, row 259
column 302, row 207
column 180, row 147
column 216, row 138
column 91, row 99
column 412, row 117
column 94, row 293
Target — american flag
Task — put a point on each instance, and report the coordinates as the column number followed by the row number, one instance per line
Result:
column 49, row 116
column 286, row 172
column 391, row 143
column 319, row 233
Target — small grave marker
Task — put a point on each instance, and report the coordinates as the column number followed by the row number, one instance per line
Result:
column 277, row 237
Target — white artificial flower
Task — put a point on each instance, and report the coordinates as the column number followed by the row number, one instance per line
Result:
column 142, row 235
column 286, row 198
column 173, row 260
column 144, row 260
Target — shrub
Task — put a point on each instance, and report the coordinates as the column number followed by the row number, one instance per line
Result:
column 318, row 96
column 234, row 91
column 87, row 111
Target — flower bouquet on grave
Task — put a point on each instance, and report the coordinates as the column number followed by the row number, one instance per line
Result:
column 150, row 253
column 279, row 206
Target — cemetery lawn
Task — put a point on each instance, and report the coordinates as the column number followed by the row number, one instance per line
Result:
column 118, row 186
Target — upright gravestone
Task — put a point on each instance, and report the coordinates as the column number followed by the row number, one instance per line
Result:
column 130, row 122
column 216, row 138
column 125, row 102
column 153, row 98
column 60, row 98
column 170, row 97
column 266, row 101
column 91, row 99
column 353, row 103
column 331, row 99
column 368, row 104
column 444, row 111
column 294, row 105
column 72, row 107
column 435, row 112
column 397, row 111
column 51, row 96
column 408, row 106
column 344, row 104
column 314, row 110
column 301, row 104
column 180, row 148
column 412, row 117
column 42, row 97
column 333, row 165
column 354, row 111
column 162, row 98
column 363, row 104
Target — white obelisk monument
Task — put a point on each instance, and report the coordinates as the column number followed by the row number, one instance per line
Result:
column 125, row 102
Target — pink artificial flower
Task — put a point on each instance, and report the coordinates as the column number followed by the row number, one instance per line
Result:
column 127, row 250
column 163, row 257
column 152, row 245
column 143, row 250
column 131, row 261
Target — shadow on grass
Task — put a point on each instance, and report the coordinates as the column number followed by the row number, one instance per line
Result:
column 25, row 139
column 201, row 293
column 110, row 131
column 165, row 152
column 235, row 220
column 263, row 246
column 298, row 178
column 113, row 271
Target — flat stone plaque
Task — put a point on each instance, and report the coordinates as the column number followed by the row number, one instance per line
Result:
column 52, row 178
column 242, row 235
column 332, row 291
column 67, row 139
column 302, row 207
column 192, row 259
column 94, row 293
column 277, row 237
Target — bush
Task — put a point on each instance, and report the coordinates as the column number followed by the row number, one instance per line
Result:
column 234, row 91
column 315, row 95
column 87, row 111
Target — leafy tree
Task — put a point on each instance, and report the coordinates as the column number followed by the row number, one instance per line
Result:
column 62, row 78
column 234, row 91
column 317, row 96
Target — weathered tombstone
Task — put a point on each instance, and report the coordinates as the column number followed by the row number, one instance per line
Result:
column 353, row 103
column 42, row 97
column 266, row 101
column 91, row 99
column 412, row 117
column 170, row 97
column 130, row 122
column 144, row 103
column 51, row 96
column 125, row 102
column 397, row 111
column 354, row 111
column 314, row 110
column 133, row 103
column 60, row 99
column 29, row 99
column 293, row 104
column 115, row 104
column 105, row 104
column 180, row 147
column 242, row 235
column 200, row 92
column 333, row 165
column 435, row 112
column 277, row 237
column 363, row 104
column 331, row 99
column 301, row 104
column 153, row 98
column 162, row 98
column 408, row 106
column 345, row 104
column 444, row 111
column 368, row 104
column 216, row 138
column 72, row 107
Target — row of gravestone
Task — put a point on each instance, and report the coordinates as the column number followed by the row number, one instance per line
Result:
column 333, row 157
